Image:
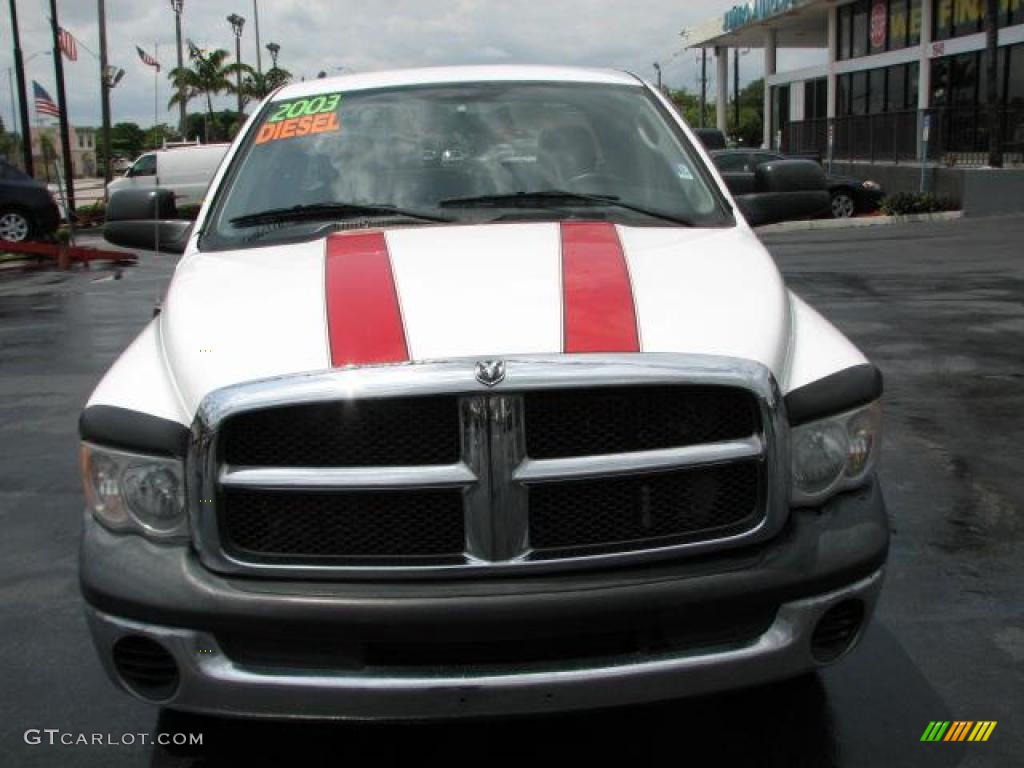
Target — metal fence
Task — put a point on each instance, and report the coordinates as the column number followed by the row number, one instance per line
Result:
column 957, row 135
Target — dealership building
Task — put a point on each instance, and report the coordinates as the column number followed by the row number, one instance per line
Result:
column 902, row 79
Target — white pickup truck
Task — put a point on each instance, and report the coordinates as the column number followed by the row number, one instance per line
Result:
column 475, row 393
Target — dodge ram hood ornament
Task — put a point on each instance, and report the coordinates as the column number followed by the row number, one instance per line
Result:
column 490, row 372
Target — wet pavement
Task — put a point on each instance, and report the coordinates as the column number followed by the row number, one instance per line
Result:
column 939, row 307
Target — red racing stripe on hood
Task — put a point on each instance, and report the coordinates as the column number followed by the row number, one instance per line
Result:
column 598, row 310
column 364, row 319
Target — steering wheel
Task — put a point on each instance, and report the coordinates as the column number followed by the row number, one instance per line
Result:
column 595, row 182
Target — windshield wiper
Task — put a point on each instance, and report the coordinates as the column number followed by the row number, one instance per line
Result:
column 315, row 211
column 554, row 198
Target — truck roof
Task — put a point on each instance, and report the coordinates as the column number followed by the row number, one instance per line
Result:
column 462, row 74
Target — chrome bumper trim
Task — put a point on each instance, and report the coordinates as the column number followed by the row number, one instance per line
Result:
column 211, row 682
column 347, row 478
column 581, row 467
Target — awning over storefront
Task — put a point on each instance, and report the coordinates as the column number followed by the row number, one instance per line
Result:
column 797, row 24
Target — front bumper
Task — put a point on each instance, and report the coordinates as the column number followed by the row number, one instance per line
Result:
column 824, row 557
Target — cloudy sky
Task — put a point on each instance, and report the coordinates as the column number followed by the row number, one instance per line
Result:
column 329, row 34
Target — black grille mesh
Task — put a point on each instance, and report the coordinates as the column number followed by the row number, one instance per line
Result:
column 618, row 420
column 363, row 433
column 627, row 513
column 375, row 525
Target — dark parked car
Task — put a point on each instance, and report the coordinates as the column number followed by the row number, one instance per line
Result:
column 711, row 138
column 850, row 196
column 27, row 209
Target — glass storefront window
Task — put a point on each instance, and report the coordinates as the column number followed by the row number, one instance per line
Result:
column 943, row 20
column 1014, row 13
column 859, row 93
column 940, row 79
column 845, row 15
column 913, row 81
column 899, row 21
column 896, row 88
column 955, row 18
column 859, row 30
column 963, row 80
column 843, row 95
column 878, row 26
column 876, row 91
column 816, row 98
column 968, row 16
column 914, row 23
column 821, row 97
column 1015, row 77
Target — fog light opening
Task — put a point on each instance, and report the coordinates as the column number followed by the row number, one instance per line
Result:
column 146, row 667
column 836, row 630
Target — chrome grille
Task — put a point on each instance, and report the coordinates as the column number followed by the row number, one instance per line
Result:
column 394, row 432
column 644, row 511
column 382, row 527
column 624, row 419
column 690, row 455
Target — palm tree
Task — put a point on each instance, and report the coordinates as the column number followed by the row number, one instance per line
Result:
column 205, row 76
column 256, row 86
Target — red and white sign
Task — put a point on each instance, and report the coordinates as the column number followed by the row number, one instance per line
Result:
column 879, row 20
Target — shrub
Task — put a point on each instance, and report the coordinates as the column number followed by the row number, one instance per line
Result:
column 906, row 203
column 92, row 209
column 188, row 211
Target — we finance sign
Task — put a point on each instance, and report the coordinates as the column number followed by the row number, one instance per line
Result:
column 741, row 15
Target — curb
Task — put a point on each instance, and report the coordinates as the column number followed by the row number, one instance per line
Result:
column 865, row 221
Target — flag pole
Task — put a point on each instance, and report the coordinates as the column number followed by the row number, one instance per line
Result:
column 156, row 86
column 62, row 105
column 19, row 70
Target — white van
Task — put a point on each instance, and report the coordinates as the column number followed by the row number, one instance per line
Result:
column 185, row 170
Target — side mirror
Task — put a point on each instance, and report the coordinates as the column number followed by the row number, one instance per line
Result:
column 146, row 219
column 785, row 190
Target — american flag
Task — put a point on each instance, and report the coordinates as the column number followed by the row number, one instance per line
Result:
column 44, row 104
column 148, row 60
column 67, row 44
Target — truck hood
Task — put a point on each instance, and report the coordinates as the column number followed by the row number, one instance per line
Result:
column 470, row 291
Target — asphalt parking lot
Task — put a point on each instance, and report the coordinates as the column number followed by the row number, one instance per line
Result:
column 939, row 307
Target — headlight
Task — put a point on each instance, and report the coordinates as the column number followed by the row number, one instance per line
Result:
column 133, row 492
column 834, row 454
column 871, row 185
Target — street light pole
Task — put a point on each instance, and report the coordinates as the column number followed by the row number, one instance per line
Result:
column 19, row 73
column 703, row 85
column 990, row 59
column 657, row 68
column 178, row 6
column 104, row 93
column 62, row 104
column 237, row 22
column 256, row 24
column 736, row 86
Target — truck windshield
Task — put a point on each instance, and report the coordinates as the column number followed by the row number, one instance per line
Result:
column 468, row 152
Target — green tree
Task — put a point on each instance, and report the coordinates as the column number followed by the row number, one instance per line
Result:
column 688, row 105
column 10, row 147
column 156, row 135
column 749, row 131
column 127, row 139
column 222, row 126
column 207, row 75
column 256, row 86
